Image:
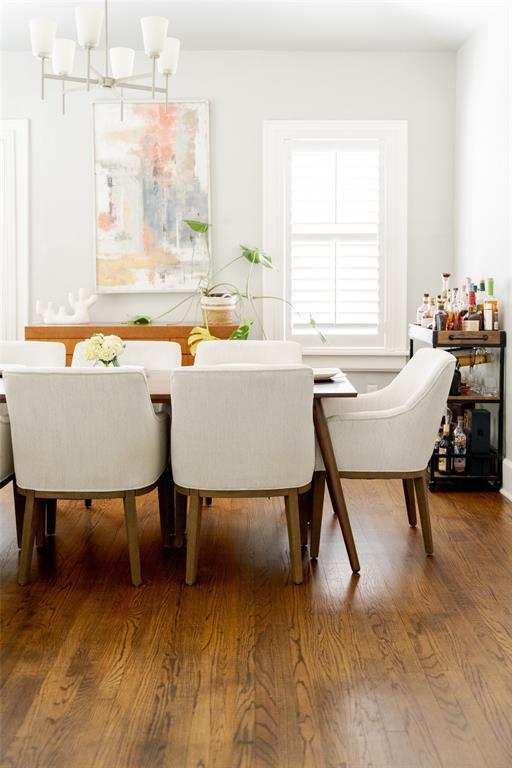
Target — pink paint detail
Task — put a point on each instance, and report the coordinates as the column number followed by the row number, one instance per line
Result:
column 105, row 221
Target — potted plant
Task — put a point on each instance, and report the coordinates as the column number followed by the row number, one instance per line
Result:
column 221, row 302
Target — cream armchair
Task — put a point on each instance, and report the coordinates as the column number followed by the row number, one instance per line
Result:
column 7, row 472
column 263, row 352
column 35, row 354
column 86, row 433
column 242, row 432
column 390, row 434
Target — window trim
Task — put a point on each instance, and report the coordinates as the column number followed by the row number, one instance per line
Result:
column 14, row 271
column 393, row 133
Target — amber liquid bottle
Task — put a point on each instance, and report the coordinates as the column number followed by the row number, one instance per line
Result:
column 444, row 460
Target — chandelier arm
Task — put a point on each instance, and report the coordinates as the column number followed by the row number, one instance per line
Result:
column 132, row 77
column 148, row 88
column 70, row 79
column 96, row 72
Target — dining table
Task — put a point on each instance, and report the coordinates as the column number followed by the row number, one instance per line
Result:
column 159, row 385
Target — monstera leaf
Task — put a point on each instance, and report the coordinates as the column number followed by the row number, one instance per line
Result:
column 197, row 226
column 256, row 256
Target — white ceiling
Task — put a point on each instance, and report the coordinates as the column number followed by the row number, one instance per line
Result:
column 382, row 25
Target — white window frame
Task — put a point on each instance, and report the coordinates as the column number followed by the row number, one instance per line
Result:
column 392, row 136
column 14, row 228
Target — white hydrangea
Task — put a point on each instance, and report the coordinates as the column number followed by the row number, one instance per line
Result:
column 104, row 348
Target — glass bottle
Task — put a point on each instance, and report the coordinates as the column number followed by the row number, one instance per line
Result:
column 455, row 311
column 491, row 320
column 445, row 276
column 480, row 295
column 459, row 446
column 422, row 308
column 444, row 461
column 427, row 319
column 440, row 317
column 473, row 321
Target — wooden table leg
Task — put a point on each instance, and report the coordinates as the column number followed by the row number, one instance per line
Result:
column 333, row 481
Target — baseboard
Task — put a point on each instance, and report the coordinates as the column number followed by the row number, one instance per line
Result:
column 507, row 479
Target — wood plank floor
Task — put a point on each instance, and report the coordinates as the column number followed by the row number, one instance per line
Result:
column 408, row 665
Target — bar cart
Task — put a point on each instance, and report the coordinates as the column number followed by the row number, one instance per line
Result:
column 490, row 480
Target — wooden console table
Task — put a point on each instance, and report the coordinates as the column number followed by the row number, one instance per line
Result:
column 69, row 335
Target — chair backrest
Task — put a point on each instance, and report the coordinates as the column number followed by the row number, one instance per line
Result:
column 6, row 462
column 260, row 352
column 82, row 429
column 153, row 355
column 416, row 377
column 40, row 354
column 242, row 428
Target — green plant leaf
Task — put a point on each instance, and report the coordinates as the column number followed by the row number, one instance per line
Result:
column 141, row 320
column 313, row 324
column 256, row 256
column 242, row 332
column 197, row 226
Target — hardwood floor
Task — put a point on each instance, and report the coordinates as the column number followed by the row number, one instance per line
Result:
column 408, row 665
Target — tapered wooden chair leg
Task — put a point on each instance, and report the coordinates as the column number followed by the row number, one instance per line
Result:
column 180, row 518
column 130, row 514
column 408, row 485
column 193, row 533
column 41, row 523
column 421, row 495
column 305, row 502
column 27, row 544
column 51, row 516
column 318, row 489
column 19, row 511
column 293, row 520
column 166, row 506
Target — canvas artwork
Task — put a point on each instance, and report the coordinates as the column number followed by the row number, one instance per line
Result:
column 151, row 174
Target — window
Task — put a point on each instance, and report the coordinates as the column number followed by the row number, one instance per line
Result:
column 335, row 224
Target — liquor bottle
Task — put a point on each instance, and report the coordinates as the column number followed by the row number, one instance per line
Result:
column 455, row 310
column 444, row 461
column 427, row 318
column 445, row 276
column 473, row 321
column 459, row 446
column 422, row 308
column 480, row 295
column 491, row 319
column 440, row 317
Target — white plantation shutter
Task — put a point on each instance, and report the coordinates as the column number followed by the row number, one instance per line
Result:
column 334, row 209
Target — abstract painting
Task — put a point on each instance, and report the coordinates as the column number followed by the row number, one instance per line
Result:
column 151, row 174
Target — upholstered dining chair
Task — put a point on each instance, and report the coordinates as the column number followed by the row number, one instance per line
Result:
column 7, row 472
column 86, row 433
column 153, row 355
column 223, row 352
column 389, row 433
column 34, row 354
column 48, row 354
column 238, row 432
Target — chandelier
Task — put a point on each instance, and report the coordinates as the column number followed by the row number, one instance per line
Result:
column 118, row 68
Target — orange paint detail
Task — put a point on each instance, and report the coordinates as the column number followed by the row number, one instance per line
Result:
column 105, row 221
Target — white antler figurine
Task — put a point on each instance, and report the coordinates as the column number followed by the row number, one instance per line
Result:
column 79, row 306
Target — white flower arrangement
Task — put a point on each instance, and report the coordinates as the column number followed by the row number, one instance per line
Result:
column 104, row 349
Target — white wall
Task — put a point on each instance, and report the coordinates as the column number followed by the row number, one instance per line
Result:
column 483, row 173
column 244, row 88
